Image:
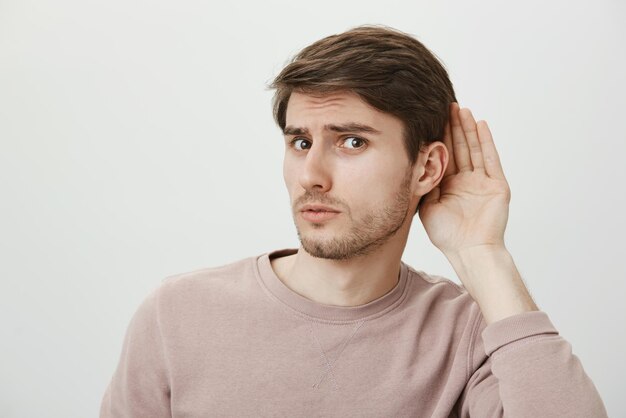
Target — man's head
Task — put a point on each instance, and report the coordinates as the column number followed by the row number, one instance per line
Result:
column 363, row 114
column 390, row 70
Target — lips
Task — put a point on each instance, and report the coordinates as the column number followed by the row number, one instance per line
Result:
column 318, row 208
column 318, row 213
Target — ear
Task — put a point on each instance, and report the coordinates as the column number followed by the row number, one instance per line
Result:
column 429, row 168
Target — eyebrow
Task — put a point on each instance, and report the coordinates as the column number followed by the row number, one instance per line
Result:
column 346, row 127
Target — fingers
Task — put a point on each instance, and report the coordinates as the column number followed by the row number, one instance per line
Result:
column 472, row 145
column 493, row 167
column 459, row 143
column 471, row 136
column 447, row 140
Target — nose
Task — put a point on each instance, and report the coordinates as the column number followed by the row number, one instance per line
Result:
column 315, row 174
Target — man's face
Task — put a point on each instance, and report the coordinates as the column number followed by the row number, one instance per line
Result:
column 347, row 173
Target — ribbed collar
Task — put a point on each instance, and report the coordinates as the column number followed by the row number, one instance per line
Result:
column 327, row 313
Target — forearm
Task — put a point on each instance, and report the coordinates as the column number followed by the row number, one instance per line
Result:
column 529, row 371
column 492, row 279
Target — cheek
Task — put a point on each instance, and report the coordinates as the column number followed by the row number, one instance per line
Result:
column 289, row 174
column 375, row 187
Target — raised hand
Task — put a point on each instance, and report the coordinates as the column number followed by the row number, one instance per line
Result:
column 465, row 217
column 470, row 206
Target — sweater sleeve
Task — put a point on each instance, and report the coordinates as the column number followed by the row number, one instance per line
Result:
column 140, row 387
column 522, row 367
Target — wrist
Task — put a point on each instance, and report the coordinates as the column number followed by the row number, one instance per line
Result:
column 466, row 254
column 471, row 263
column 490, row 276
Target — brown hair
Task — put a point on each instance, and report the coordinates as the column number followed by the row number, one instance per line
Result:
column 389, row 69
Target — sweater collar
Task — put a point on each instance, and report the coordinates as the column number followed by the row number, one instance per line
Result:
column 321, row 312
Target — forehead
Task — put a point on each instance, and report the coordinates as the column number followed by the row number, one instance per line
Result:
column 338, row 107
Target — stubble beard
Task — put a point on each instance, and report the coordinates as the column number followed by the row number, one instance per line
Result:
column 365, row 235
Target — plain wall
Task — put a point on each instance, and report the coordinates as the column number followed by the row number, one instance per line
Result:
column 136, row 142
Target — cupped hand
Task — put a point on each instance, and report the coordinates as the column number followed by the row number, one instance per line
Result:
column 469, row 208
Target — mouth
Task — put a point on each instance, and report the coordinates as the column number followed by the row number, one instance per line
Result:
column 318, row 213
column 318, row 208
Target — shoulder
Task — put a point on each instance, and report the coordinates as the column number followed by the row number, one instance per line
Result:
column 442, row 300
column 209, row 285
column 432, row 285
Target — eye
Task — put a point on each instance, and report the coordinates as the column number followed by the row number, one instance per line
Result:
column 353, row 142
column 300, row 144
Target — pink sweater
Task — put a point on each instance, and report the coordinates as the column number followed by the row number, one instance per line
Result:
column 234, row 341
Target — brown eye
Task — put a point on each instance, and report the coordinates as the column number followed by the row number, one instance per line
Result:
column 353, row 142
column 301, row 144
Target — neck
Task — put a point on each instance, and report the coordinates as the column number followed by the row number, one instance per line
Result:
column 351, row 282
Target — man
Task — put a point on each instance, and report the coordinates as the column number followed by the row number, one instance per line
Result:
column 340, row 326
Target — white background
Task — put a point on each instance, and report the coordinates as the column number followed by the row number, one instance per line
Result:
column 137, row 142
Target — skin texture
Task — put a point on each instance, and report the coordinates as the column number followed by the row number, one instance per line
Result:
column 364, row 235
column 354, row 257
column 355, row 173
